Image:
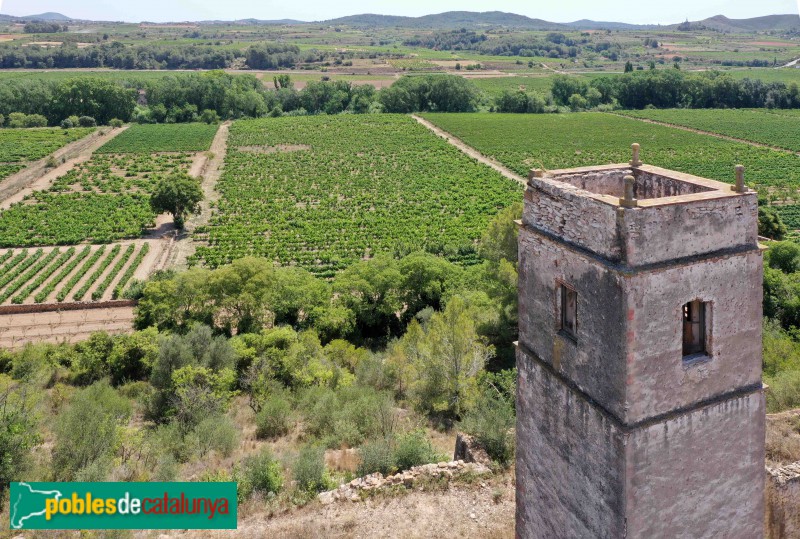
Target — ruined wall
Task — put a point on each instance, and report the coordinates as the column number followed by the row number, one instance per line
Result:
column 570, row 463
column 782, row 517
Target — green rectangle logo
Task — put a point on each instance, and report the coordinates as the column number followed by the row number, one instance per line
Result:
column 122, row 506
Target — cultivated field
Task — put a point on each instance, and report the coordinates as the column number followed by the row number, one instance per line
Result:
column 107, row 197
column 323, row 192
column 558, row 141
column 776, row 127
column 69, row 274
column 18, row 147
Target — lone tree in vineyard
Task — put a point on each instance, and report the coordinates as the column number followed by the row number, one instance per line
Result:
column 178, row 194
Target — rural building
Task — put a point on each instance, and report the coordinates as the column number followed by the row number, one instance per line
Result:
column 640, row 407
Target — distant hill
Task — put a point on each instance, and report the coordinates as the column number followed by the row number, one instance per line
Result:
column 586, row 24
column 259, row 21
column 756, row 24
column 450, row 19
column 49, row 16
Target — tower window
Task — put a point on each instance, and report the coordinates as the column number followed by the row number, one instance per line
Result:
column 694, row 328
column 569, row 311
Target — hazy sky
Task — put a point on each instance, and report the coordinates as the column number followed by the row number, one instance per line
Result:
column 634, row 11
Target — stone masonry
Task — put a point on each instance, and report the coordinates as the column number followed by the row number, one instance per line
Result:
column 640, row 408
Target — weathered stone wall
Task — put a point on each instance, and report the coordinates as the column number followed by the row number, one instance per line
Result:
column 570, row 460
column 612, row 182
column 580, row 473
column 577, row 219
column 782, row 518
column 650, row 185
column 699, row 474
column 674, row 231
column 595, row 363
column 659, row 381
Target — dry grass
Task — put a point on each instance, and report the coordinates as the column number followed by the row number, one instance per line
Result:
column 783, row 438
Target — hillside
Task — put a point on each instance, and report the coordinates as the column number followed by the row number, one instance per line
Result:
column 450, row 19
column 756, row 24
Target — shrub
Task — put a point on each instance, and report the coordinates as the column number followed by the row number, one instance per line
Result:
column 18, row 434
column 87, row 121
column 349, row 414
column 309, row 469
column 66, row 123
column 491, row 422
column 376, row 456
column 216, row 433
column 412, row 449
column 272, row 420
column 116, row 122
column 784, row 391
column 209, row 116
column 87, row 431
column 261, row 473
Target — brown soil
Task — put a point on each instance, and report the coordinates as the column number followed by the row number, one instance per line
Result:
column 481, row 510
column 472, row 152
column 16, row 330
column 274, row 149
column 183, row 247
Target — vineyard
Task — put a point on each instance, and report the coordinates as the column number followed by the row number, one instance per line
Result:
column 54, row 274
column 779, row 129
column 149, row 138
column 553, row 141
column 20, row 146
column 323, row 192
column 104, row 199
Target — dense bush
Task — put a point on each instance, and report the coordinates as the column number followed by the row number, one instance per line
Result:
column 273, row 419
column 261, row 473
column 309, row 469
column 87, row 432
column 491, row 423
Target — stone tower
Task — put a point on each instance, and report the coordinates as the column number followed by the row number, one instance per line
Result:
column 640, row 408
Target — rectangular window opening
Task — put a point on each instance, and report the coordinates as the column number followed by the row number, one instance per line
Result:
column 694, row 328
column 569, row 311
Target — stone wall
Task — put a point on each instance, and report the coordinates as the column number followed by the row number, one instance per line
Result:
column 782, row 517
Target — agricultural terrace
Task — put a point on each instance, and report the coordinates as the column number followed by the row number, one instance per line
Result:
column 553, row 141
column 325, row 191
column 149, row 138
column 67, row 274
column 18, row 147
column 104, row 199
column 775, row 128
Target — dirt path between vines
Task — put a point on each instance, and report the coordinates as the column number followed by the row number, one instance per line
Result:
column 470, row 151
column 36, row 177
column 185, row 245
column 709, row 133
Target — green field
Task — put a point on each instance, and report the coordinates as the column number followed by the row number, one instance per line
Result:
column 41, row 275
column 325, row 191
column 19, row 145
column 773, row 129
column 101, row 200
column 556, row 141
column 150, row 138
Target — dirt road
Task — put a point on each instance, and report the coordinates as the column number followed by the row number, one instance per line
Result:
column 472, row 152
